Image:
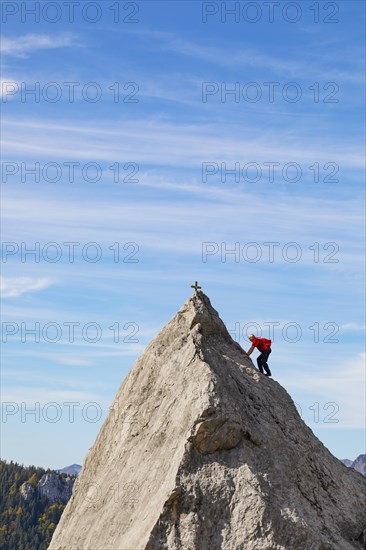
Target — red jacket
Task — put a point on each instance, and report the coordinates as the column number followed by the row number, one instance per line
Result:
column 261, row 343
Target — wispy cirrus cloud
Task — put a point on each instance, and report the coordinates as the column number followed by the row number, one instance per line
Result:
column 353, row 327
column 13, row 287
column 44, row 395
column 160, row 142
column 298, row 66
column 7, row 83
column 22, row 46
column 72, row 361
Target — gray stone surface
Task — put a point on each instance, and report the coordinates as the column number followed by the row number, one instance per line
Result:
column 359, row 464
column 202, row 452
column 56, row 488
column 27, row 490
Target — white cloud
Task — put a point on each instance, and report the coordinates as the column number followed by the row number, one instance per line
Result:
column 72, row 361
column 172, row 144
column 292, row 65
column 353, row 327
column 8, row 87
column 25, row 394
column 204, row 225
column 16, row 286
column 21, row 46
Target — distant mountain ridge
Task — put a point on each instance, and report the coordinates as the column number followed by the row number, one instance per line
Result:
column 359, row 464
column 73, row 470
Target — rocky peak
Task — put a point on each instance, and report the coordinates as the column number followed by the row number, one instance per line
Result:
column 201, row 451
column 56, row 488
column 73, row 469
column 359, row 464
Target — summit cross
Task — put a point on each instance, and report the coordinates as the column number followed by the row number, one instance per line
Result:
column 196, row 287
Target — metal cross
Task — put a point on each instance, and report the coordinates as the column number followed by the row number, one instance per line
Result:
column 196, row 287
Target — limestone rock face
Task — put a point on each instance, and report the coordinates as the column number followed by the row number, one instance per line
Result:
column 202, row 452
column 55, row 488
column 27, row 490
column 359, row 464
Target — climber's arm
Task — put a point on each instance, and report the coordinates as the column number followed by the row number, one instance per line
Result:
column 250, row 351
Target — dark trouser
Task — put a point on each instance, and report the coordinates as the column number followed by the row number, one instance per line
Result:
column 262, row 362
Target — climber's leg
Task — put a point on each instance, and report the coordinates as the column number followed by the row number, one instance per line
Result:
column 259, row 363
column 264, row 360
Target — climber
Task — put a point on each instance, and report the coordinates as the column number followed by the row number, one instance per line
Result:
column 264, row 346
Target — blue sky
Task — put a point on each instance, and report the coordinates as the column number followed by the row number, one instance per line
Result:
column 129, row 131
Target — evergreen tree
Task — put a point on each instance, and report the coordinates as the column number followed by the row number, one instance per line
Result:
column 26, row 524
